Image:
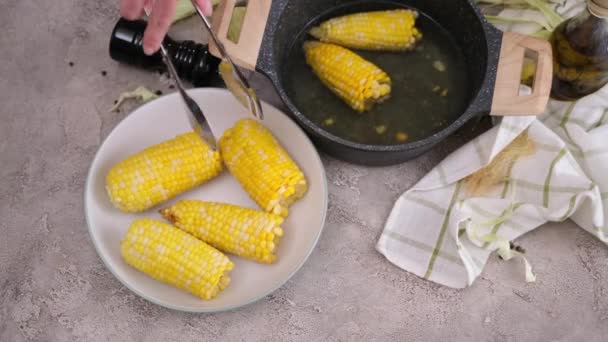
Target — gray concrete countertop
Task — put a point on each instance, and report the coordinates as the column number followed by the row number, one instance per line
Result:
column 53, row 286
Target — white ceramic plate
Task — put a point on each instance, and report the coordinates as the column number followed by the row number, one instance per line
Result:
column 164, row 118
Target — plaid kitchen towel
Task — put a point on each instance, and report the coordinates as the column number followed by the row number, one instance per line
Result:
column 440, row 232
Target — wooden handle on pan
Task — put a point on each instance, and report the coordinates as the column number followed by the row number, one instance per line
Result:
column 244, row 53
column 506, row 100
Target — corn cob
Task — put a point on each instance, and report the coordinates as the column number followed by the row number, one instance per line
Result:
column 168, row 254
column 227, row 74
column 161, row 172
column 248, row 233
column 356, row 81
column 393, row 30
column 262, row 166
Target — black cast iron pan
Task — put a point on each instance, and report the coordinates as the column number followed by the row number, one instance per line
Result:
column 494, row 62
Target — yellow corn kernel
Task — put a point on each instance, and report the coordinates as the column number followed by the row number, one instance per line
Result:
column 393, row 30
column 245, row 232
column 168, row 254
column 356, row 81
column 161, row 172
column 262, row 167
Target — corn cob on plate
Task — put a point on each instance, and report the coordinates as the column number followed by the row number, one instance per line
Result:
column 262, row 166
column 161, row 172
column 162, row 120
column 245, row 232
column 170, row 255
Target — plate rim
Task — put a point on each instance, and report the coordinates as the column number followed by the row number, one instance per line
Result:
column 101, row 255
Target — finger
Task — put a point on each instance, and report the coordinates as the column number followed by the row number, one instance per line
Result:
column 148, row 5
column 131, row 9
column 206, row 6
column 158, row 25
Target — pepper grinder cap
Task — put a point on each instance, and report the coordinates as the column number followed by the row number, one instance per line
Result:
column 126, row 44
column 598, row 7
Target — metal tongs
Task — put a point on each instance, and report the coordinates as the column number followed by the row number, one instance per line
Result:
column 252, row 99
column 198, row 121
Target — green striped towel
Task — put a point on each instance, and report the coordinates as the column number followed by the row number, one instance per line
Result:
column 437, row 231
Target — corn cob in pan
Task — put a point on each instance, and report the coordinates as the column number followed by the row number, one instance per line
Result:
column 262, row 166
column 166, row 253
column 392, row 30
column 248, row 233
column 356, row 81
column 161, row 172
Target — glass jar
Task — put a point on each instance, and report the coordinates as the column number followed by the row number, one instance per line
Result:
column 580, row 53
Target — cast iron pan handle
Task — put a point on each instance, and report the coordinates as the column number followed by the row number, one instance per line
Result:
column 506, row 100
column 245, row 52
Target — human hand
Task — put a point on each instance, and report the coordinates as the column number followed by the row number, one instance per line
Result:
column 162, row 12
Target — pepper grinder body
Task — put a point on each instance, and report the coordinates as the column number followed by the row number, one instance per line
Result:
column 192, row 60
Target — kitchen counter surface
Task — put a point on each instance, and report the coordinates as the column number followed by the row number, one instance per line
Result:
column 53, row 286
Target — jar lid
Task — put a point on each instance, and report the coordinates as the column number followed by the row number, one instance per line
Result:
column 598, row 7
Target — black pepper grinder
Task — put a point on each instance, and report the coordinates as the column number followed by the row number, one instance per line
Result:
column 192, row 60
